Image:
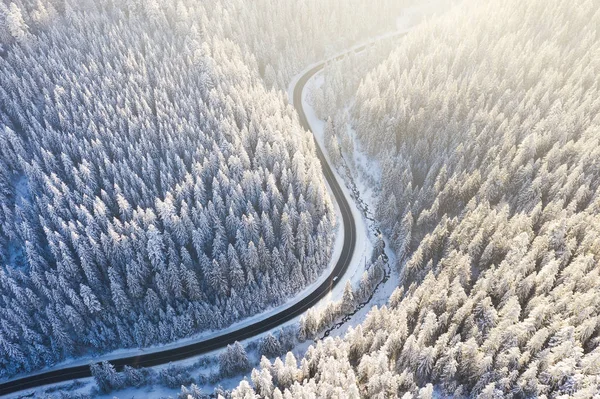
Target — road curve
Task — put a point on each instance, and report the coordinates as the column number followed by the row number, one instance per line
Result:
column 201, row 347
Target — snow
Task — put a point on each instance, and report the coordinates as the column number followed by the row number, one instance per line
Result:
column 22, row 189
column 149, row 392
column 364, row 243
column 145, row 392
column 364, row 246
column 365, row 237
column 337, row 249
column 364, row 229
column 16, row 251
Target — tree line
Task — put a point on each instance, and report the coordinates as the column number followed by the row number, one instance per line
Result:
column 151, row 188
column 485, row 123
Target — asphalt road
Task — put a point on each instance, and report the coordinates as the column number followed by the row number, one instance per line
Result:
column 201, row 347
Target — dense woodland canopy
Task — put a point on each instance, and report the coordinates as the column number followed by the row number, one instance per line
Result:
column 151, row 185
column 282, row 36
column 486, row 123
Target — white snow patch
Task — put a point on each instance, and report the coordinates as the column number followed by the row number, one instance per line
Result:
column 364, row 240
column 364, row 246
column 21, row 185
column 16, row 250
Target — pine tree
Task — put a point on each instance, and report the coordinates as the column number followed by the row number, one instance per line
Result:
column 348, row 301
column 15, row 23
column 270, row 346
column 106, row 377
column 234, row 360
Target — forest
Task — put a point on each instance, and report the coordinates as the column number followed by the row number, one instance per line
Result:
column 150, row 199
column 156, row 183
column 485, row 123
column 153, row 184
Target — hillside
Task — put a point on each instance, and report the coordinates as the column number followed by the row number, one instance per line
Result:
column 486, row 125
column 152, row 184
column 146, row 195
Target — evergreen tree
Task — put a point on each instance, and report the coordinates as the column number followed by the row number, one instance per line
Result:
column 234, row 360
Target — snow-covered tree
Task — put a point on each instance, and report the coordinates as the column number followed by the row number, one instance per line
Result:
column 233, row 360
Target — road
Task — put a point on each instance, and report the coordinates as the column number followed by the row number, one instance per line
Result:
column 220, row 341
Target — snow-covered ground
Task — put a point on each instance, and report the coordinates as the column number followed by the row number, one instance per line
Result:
column 366, row 190
column 17, row 252
column 364, row 229
column 364, row 247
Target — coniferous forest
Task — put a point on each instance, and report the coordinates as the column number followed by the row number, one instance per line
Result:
column 156, row 183
column 486, row 126
column 152, row 186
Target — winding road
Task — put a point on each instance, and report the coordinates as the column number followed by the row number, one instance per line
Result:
column 220, row 341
